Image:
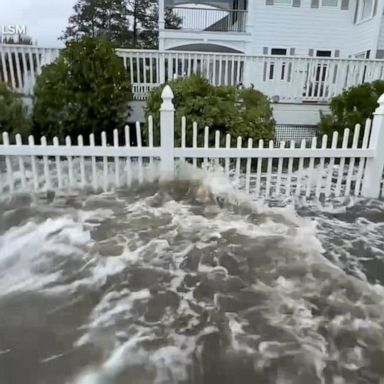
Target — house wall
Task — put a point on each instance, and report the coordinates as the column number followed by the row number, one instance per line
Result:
column 363, row 37
column 301, row 29
column 305, row 28
column 380, row 43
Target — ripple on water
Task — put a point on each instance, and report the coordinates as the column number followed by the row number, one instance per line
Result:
column 151, row 286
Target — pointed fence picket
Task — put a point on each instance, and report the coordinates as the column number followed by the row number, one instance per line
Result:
column 286, row 169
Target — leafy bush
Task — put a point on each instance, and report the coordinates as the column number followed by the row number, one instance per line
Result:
column 245, row 112
column 352, row 107
column 13, row 114
column 85, row 90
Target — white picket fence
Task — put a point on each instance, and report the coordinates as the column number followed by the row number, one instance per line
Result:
column 289, row 170
column 283, row 78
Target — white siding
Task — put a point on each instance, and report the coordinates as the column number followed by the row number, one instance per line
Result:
column 302, row 28
column 380, row 44
column 363, row 37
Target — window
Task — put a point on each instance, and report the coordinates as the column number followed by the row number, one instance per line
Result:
column 278, row 69
column 363, row 55
column 365, row 10
column 329, row 3
column 323, row 53
column 282, row 2
column 278, row 51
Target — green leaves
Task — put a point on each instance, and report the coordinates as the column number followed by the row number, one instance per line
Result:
column 352, row 107
column 245, row 113
column 100, row 18
column 85, row 90
column 13, row 115
column 126, row 23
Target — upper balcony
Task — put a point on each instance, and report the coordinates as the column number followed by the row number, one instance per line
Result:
column 210, row 19
column 203, row 16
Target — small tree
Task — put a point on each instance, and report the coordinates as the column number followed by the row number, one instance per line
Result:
column 85, row 90
column 354, row 106
column 245, row 112
column 13, row 114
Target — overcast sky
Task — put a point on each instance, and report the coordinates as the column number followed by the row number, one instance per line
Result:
column 44, row 19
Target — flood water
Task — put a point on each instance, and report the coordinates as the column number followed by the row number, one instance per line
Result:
column 149, row 285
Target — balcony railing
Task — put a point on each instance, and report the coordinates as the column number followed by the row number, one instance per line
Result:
column 211, row 20
column 20, row 65
column 284, row 79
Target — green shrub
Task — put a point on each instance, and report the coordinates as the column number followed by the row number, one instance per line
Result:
column 13, row 114
column 352, row 107
column 85, row 90
column 245, row 112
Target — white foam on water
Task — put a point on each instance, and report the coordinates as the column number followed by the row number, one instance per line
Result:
column 299, row 235
column 27, row 250
column 300, row 272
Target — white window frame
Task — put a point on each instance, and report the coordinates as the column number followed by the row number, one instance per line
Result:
column 287, row 3
column 338, row 5
column 360, row 18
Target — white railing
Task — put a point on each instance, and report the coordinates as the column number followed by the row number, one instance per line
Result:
column 290, row 170
column 20, row 65
column 210, row 19
column 149, row 69
column 285, row 79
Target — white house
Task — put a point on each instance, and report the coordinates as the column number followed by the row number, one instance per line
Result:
column 312, row 28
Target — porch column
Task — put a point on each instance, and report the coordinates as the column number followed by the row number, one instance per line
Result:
column 161, row 15
column 250, row 16
column 161, row 24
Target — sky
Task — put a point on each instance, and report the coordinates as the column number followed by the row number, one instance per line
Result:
column 45, row 20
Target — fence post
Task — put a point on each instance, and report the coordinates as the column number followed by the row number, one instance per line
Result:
column 167, row 133
column 374, row 168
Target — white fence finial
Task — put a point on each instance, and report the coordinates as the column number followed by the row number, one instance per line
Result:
column 380, row 108
column 167, row 134
column 167, row 96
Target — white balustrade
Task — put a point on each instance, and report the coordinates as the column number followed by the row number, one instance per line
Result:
column 20, row 65
column 283, row 78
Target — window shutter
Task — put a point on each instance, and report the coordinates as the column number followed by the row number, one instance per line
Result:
column 344, row 4
column 375, row 8
column 315, row 4
column 311, row 52
column 268, row 2
column 296, row 3
column 265, row 51
column 292, row 51
column 356, row 11
column 337, row 53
